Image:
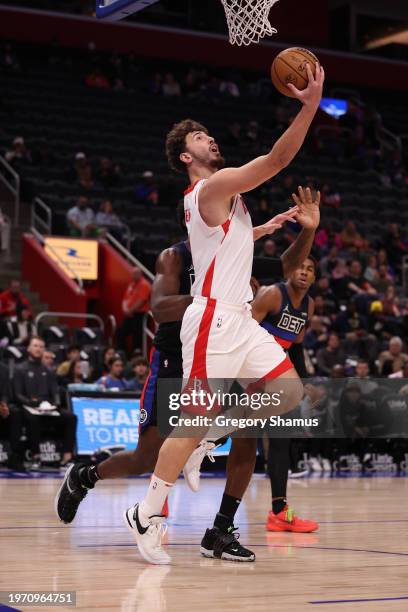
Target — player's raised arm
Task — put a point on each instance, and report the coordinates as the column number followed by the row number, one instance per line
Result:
column 166, row 304
column 227, row 182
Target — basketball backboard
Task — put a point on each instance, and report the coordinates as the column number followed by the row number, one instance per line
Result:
column 114, row 10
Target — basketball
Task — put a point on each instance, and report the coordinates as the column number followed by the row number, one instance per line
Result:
column 290, row 67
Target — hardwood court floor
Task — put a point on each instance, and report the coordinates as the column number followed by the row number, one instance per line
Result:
column 360, row 552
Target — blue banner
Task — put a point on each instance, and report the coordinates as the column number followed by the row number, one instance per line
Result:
column 106, row 421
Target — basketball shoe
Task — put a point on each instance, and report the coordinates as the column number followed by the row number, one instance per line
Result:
column 148, row 537
column 70, row 494
column 286, row 520
column 218, row 544
column 191, row 470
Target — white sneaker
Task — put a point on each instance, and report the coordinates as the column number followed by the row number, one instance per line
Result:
column 298, row 473
column 148, row 538
column 315, row 464
column 191, row 470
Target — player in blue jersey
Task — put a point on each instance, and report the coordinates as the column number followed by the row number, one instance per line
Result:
column 284, row 309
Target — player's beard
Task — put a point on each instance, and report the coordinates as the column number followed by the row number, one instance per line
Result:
column 218, row 163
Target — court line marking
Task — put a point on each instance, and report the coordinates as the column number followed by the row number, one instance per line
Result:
column 336, row 601
column 332, row 548
column 171, row 524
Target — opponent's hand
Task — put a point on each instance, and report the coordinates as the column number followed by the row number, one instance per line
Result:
column 308, row 215
column 312, row 95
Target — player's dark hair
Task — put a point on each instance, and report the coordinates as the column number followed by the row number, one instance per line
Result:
column 315, row 262
column 176, row 142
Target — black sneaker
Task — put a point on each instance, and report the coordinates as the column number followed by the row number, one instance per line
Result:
column 217, row 544
column 70, row 494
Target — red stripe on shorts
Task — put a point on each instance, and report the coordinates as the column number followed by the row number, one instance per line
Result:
column 199, row 367
column 153, row 349
column 280, row 369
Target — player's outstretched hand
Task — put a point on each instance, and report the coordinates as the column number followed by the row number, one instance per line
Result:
column 278, row 220
column 308, row 211
column 312, row 95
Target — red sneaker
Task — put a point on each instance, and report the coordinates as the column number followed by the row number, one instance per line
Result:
column 165, row 509
column 288, row 521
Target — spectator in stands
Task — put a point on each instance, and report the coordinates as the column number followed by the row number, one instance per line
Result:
column 402, row 373
column 371, row 269
column 36, row 392
column 18, row 154
column 329, row 262
column 136, row 302
column 268, row 248
column 393, row 359
column 140, row 369
column 13, row 299
column 356, row 283
column 21, row 327
column 114, row 380
column 11, row 422
column 363, row 374
column 97, row 79
column 48, row 360
column 229, row 88
column 108, row 220
column 5, row 229
column 349, row 323
column 396, row 244
column 351, row 239
column 108, row 174
column 81, row 219
column 390, row 302
column 102, row 370
column 382, row 280
column 316, row 335
column 77, row 373
column 83, row 171
column 146, row 191
column 73, row 355
column 170, row 87
column 330, row 355
column 330, row 197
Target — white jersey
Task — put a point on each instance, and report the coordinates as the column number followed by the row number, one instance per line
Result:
column 222, row 255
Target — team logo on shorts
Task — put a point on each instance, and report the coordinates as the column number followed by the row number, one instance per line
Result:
column 143, row 416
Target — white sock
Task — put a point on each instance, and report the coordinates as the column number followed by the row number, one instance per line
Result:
column 154, row 500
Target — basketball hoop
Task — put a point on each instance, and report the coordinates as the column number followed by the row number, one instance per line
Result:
column 248, row 20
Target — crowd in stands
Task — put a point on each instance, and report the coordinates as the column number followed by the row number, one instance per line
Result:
column 360, row 325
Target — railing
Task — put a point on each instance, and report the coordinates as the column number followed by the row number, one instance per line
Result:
column 113, row 326
column 8, row 238
column 11, row 180
column 63, row 264
column 37, row 219
column 389, row 139
column 70, row 315
column 128, row 255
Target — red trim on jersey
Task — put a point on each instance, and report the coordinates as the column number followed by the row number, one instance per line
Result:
column 225, row 227
column 284, row 343
column 191, row 187
column 199, row 367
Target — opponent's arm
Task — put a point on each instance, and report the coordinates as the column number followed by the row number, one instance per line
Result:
column 308, row 216
column 226, row 183
column 166, row 304
column 267, row 300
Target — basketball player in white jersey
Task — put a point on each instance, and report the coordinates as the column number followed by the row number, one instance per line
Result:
column 219, row 336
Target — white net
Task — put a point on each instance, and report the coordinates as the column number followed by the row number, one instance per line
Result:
column 248, row 20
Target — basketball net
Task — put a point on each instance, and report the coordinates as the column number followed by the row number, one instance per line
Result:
column 248, row 20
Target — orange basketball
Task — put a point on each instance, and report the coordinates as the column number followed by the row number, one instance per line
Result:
column 290, row 67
